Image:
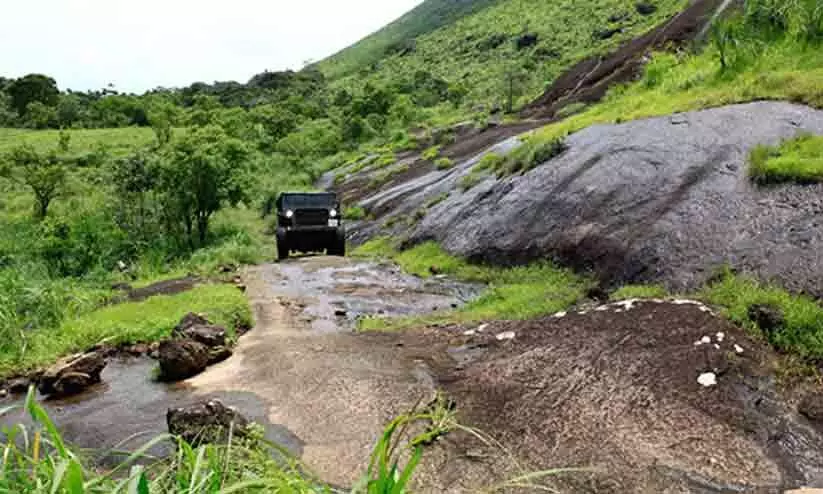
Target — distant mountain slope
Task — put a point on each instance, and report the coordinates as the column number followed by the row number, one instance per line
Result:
column 517, row 46
column 425, row 18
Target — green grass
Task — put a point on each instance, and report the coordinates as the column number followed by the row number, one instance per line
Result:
column 354, row 213
column 785, row 69
column 118, row 142
column 444, row 163
column 639, row 291
column 431, row 153
column 798, row 160
column 803, row 331
column 131, row 322
column 513, row 293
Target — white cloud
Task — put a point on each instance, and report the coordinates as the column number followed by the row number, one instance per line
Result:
column 137, row 45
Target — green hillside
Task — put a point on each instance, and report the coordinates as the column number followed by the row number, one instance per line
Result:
column 512, row 44
column 399, row 35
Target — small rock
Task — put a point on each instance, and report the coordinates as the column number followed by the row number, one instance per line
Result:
column 560, row 315
column 3, row 393
column 707, row 379
column 482, row 328
column 340, row 312
column 190, row 320
column 241, row 287
column 738, row 349
column 182, row 359
column 508, row 335
column 645, row 8
column 138, row 349
column 720, row 336
column 206, row 422
column 705, row 340
column 768, row 317
column 18, row 385
column 207, row 334
column 470, row 332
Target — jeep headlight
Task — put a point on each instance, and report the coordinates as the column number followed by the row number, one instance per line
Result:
column 333, row 213
column 289, row 213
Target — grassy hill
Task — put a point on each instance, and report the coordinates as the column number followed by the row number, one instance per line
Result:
column 524, row 44
column 397, row 36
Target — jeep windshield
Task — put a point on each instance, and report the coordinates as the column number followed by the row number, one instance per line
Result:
column 309, row 201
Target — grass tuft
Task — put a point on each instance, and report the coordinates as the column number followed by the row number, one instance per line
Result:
column 798, row 160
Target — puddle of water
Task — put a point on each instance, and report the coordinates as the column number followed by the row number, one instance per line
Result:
column 128, row 409
column 337, row 292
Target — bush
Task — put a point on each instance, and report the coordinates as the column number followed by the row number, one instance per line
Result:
column 444, row 163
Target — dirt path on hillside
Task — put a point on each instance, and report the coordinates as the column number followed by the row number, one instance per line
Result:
column 332, row 388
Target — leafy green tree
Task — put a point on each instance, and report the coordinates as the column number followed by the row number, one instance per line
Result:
column 45, row 175
column 8, row 117
column 32, row 88
column 40, row 116
column 199, row 173
column 69, row 110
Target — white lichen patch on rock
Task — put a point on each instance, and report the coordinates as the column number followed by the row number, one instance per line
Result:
column 508, row 335
column 738, row 348
column 560, row 315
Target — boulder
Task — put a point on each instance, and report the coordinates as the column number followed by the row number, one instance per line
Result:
column 768, row 317
column 72, row 374
column 182, row 359
column 206, row 422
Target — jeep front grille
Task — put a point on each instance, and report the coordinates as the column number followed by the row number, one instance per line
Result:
column 311, row 217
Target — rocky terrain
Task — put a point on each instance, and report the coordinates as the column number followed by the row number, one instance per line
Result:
column 658, row 200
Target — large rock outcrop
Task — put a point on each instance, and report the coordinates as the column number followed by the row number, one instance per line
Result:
column 663, row 199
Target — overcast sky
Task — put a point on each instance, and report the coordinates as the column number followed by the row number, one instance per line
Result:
column 141, row 44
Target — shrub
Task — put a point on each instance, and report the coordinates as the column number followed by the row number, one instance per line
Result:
column 444, row 163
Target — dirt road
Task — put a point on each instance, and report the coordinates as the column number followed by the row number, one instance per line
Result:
column 333, row 389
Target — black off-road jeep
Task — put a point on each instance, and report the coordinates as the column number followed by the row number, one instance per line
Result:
column 309, row 222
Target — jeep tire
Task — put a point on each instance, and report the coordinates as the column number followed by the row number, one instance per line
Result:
column 338, row 248
column 282, row 246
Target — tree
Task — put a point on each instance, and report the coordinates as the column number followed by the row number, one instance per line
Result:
column 40, row 116
column 198, row 174
column 31, row 88
column 69, row 109
column 45, row 175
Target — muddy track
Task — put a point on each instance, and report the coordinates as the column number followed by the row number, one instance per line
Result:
column 332, row 388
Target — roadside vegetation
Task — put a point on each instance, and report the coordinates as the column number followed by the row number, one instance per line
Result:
column 798, row 160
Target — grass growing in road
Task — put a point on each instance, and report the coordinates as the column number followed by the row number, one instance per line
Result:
column 798, row 160
column 513, row 293
column 802, row 333
column 130, row 322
